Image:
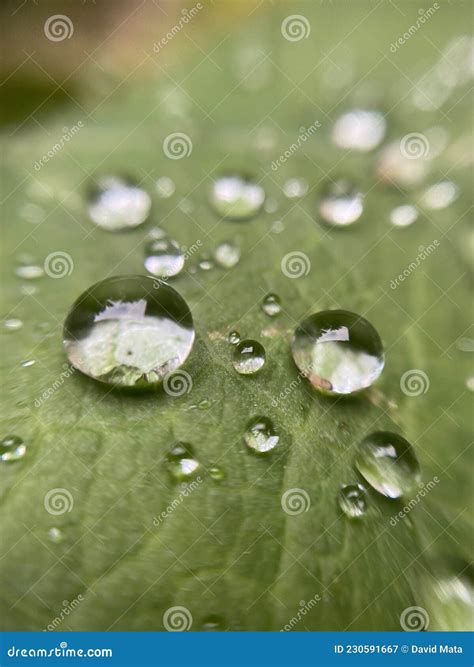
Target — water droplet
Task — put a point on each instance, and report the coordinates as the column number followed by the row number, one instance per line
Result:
column 234, row 338
column 261, row 435
column 116, row 203
column 32, row 213
column 249, row 357
column 440, row 195
column 402, row 216
column 394, row 167
column 216, row 473
column 163, row 257
column 277, row 227
column 206, row 263
column 359, row 130
column 27, row 362
column 165, row 187
column 29, row 271
column 237, row 197
column 271, row 305
column 12, row 448
column 12, row 324
column 129, row 331
column 182, row 462
column 353, row 500
column 388, row 463
column 227, row 255
column 271, row 205
column 212, row 623
column 341, row 204
column 295, row 187
column 338, row 351
column 205, row 404
column 470, row 383
column 55, row 535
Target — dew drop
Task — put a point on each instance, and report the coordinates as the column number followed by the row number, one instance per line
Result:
column 237, row 197
column 206, row 263
column 359, row 130
column 29, row 271
column 353, row 500
column 182, row 462
column 388, row 463
column 294, row 188
column 234, row 338
column 165, row 187
column 271, row 205
column 116, row 203
column 55, row 535
column 12, row 324
column 395, row 167
column 440, row 195
column 338, row 351
column 217, row 473
column 271, row 305
column 260, row 435
column 129, row 331
column 12, row 448
column 26, row 363
column 212, row 623
column 470, row 383
column 163, row 257
column 249, row 357
column 227, row 255
column 341, row 204
column 403, row 216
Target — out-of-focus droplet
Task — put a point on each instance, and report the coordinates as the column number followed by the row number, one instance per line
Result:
column 294, row 188
column 227, row 254
column 116, row 203
column 236, row 197
column 165, row 187
column 359, row 130
column 341, row 204
column 29, row 271
column 12, row 324
column 404, row 215
column 440, row 195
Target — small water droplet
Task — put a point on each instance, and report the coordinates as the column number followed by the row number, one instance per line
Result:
column 213, row 623
column 182, row 462
column 27, row 362
column 271, row 305
column 129, row 331
column 55, row 535
column 341, row 204
column 205, row 404
column 116, row 203
column 163, row 257
column 294, row 188
column 470, row 383
column 338, row 351
column 217, row 473
column 249, row 357
column 206, row 263
column 440, row 195
column 12, row 324
column 359, row 130
column 32, row 213
column 271, row 205
column 388, row 463
column 234, row 338
column 277, row 227
column 12, row 448
column 402, row 216
column 227, row 255
column 237, row 197
column 29, row 271
column 260, row 435
column 353, row 500
column 165, row 187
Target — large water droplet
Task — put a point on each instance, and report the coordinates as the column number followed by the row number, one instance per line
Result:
column 12, row 448
column 359, row 130
column 182, row 462
column 388, row 463
column 129, row 331
column 116, row 203
column 237, row 197
column 341, row 204
column 338, row 351
column 404, row 215
column 227, row 255
column 249, row 357
column 261, row 435
column 353, row 500
column 271, row 305
column 163, row 257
